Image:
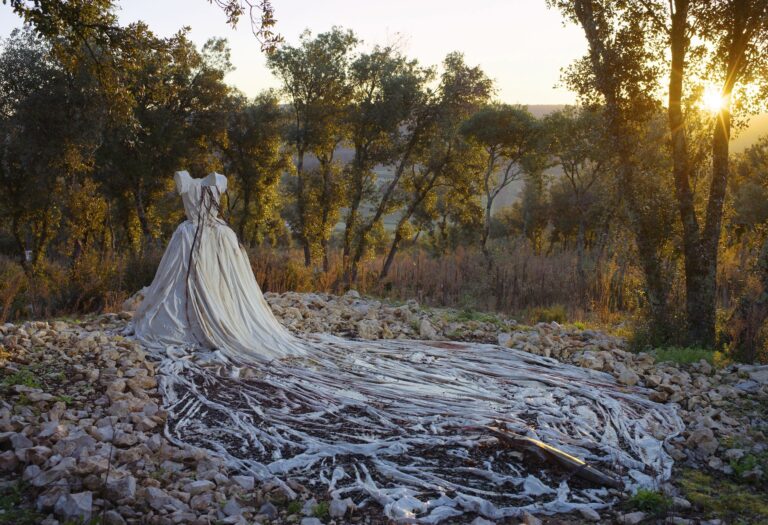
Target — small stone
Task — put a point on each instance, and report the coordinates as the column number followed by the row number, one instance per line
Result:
column 20, row 441
column 37, row 455
column 759, row 374
column 633, row 518
column 339, row 507
column 112, row 517
column 369, row 329
column 530, row 519
column 311, row 521
column 704, row 440
column 8, row 461
column 122, row 488
column 269, row 510
column 124, row 439
column 309, row 507
column 198, row 487
column 482, row 521
column 245, row 482
column 202, row 501
column 427, row 331
column 589, row 514
column 232, row 508
column 157, row 498
column 677, row 520
column 103, row 434
column 628, row 377
column 680, row 503
column 75, row 506
column 734, row 454
column 39, row 396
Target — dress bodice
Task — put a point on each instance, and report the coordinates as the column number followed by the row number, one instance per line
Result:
column 200, row 194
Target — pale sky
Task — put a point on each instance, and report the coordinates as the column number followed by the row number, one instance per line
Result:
column 521, row 44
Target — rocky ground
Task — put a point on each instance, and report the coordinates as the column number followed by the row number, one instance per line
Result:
column 81, row 424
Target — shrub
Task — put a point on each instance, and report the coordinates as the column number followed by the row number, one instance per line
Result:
column 556, row 313
column 650, row 501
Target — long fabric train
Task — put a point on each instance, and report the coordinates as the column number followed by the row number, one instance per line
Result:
column 400, row 424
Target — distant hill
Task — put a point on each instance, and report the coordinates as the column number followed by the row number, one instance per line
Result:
column 757, row 127
column 540, row 110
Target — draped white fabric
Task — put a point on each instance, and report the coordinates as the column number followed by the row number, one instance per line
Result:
column 204, row 293
column 399, row 424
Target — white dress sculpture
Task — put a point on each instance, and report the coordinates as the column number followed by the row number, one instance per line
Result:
column 409, row 425
column 204, row 294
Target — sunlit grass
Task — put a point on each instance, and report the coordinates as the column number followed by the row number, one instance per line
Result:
column 689, row 355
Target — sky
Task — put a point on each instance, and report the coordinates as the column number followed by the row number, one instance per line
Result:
column 521, row 44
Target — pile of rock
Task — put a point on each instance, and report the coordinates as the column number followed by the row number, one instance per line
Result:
column 353, row 316
column 81, row 420
column 719, row 406
column 81, row 427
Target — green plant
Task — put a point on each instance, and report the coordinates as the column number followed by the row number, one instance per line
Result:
column 25, row 377
column 11, row 510
column 750, row 462
column 294, row 507
column 322, row 510
column 718, row 496
column 67, row 400
column 650, row 501
column 685, row 355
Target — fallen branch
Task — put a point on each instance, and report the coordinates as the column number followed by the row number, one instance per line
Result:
column 578, row 466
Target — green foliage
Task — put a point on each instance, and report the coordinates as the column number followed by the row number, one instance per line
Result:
column 683, row 355
column 322, row 510
column 474, row 315
column 293, row 507
column 749, row 462
column 719, row 496
column 24, row 377
column 13, row 510
column 650, row 501
column 255, row 160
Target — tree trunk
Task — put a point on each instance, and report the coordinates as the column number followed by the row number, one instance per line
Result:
column 362, row 237
column 696, row 295
column 580, row 272
column 246, row 214
column 141, row 213
column 301, row 208
column 22, row 246
column 391, row 254
column 487, row 229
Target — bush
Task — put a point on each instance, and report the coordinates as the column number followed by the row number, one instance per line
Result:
column 556, row 313
column 650, row 501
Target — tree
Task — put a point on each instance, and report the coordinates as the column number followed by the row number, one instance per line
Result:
column 48, row 136
column 314, row 76
column 463, row 90
column 415, row 106
column 732, row 35
column 510, row 137
column 620, row 74
column 261, row 15
column 384, row 86
column 578, row 147
column 177, row 97
column 255, row 160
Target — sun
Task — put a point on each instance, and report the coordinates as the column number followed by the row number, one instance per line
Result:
column 712, row 99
